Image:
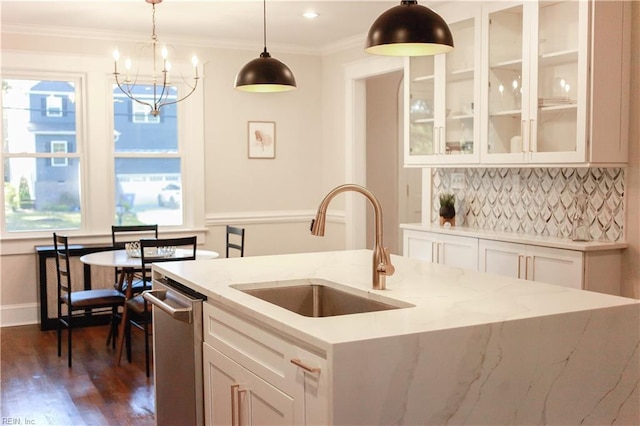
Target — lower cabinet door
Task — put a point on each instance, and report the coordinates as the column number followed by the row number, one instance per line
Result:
column 541, row 264
column 235, row 396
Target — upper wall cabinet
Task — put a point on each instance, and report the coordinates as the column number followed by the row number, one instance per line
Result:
column 545, row 84
column 543, row 68
column 443, row 90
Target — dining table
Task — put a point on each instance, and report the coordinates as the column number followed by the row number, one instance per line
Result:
column 129, row 265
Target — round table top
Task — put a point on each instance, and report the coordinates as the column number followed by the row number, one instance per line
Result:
column 120, row 259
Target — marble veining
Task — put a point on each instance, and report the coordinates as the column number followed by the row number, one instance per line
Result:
column 475, row 349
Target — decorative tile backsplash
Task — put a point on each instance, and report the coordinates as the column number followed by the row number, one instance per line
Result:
column 538, row 201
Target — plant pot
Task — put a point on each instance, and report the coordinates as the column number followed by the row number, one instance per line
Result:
column 448, row 212
column 448, row 215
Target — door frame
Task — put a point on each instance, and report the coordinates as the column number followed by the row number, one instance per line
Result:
column 355, row 138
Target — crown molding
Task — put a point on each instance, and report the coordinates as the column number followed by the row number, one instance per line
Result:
column 135, row 37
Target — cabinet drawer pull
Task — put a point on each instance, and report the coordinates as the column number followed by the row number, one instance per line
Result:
column 305, row 367
column 234, row 393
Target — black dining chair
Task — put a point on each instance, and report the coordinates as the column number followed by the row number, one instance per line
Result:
column 235, row 240
column 137, row 311
column 120, row 236
column 80, row 302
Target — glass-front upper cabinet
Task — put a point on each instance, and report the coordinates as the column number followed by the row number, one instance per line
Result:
column 442, row 94
column 535, row 82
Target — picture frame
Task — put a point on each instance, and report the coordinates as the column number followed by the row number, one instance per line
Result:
column 262, row 139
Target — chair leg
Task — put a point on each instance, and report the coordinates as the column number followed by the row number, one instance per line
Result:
column 127, row 341
column 146, row 346
column 69, row 328
column 59, row 330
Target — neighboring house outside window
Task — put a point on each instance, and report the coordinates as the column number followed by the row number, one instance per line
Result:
column 147, row 161
column 40, row 157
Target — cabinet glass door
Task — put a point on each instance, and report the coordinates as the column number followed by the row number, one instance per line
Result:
column 421, row 106
column 505, row 81
column 460, row 89
column 558, row 34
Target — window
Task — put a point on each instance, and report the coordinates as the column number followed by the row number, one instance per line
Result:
column 40, row 159
column 58, row 147
column 141, row 113
column 53, row 106
column 147, row 163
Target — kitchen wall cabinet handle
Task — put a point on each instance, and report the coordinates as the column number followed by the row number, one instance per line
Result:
column 520, row 266
column 525, row 141
column 158, row 298
column 305, row 367
column 531, row 148
column 526, row 267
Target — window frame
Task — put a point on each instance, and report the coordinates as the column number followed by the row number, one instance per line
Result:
column 95, row 144
column 59, row 161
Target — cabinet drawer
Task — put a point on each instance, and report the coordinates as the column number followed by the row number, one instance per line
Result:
column 255, row 348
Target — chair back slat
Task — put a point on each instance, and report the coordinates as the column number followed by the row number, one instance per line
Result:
column 238, row 244
column 122, row 234
column 63, row 270
column 149, row 251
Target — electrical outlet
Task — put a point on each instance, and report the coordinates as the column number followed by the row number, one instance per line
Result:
column 457, row 180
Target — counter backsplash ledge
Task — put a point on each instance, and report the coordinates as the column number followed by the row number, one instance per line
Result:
column 536, row 201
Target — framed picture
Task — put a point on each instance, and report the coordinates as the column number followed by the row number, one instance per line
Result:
column 262, row 139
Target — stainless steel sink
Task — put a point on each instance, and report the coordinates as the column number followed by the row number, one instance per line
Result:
column 317, row 298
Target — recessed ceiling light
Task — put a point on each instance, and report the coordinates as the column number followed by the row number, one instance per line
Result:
column 310, row 14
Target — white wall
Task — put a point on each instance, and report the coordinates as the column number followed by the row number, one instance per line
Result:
column 274, row 199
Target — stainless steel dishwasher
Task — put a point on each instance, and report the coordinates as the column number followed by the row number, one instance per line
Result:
column 177, row 352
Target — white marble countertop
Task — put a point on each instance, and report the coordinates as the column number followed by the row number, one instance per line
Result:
column 537, row 240
column 444, row 297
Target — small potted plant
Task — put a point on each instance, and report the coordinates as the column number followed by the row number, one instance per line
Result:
column 447, row 209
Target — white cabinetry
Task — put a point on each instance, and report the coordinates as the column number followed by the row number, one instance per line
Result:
column 451, row 250
column 235, row 396
column 253, row 376
column 529, row 83
column 588, row 268
column 443, row 123
column 543, row 63
column 534, row 263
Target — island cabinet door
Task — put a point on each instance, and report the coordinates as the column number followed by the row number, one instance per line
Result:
column 235, row 396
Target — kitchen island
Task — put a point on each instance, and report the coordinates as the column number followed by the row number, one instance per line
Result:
column 466, row 348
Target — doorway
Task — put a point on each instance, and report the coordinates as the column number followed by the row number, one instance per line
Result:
column 374, row 130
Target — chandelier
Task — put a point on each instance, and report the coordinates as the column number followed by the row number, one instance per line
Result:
column 160, row 79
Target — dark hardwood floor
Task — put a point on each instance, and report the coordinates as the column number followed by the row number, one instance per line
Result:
column 39, row 389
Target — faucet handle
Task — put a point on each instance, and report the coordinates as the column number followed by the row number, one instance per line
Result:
column 386, row 267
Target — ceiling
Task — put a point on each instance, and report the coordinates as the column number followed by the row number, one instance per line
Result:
column 229, row 23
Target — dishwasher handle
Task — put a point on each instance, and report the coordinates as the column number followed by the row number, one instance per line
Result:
column 158, row 297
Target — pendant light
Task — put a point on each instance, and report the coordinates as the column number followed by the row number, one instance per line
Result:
column 409, row 29
column 265, row 74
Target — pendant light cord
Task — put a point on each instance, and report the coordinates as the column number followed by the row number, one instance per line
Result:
column 264, row 24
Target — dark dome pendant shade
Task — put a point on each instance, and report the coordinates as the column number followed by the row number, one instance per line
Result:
column 409, row 29
column 265, row 74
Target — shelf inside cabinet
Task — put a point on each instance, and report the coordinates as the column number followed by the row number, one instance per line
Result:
column 423, row 78
column 557, row 107
column 422, row 120
column 558, row 58
column 514, row 64
column 461, row 74
column 460, row 117
column 506, row 113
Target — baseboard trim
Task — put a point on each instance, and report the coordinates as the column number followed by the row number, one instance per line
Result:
column 19, row 314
